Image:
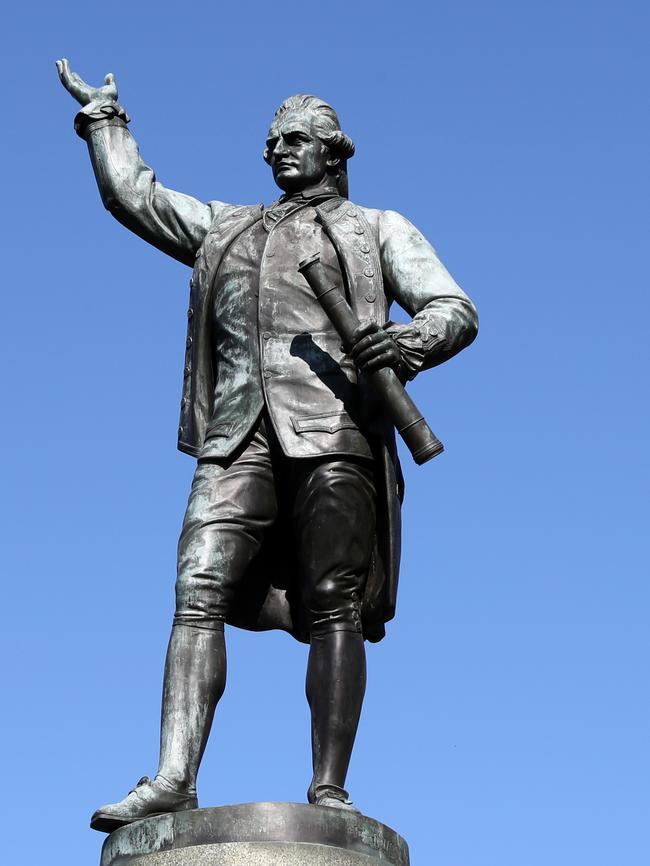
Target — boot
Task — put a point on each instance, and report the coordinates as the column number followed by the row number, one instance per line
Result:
column 195, row 678
column 336, row 684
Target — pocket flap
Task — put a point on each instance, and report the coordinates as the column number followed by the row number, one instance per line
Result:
column 329, row 422
column 223, row 428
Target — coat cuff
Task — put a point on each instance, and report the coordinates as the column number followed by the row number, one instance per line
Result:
column 99, row 112
column 415, row 341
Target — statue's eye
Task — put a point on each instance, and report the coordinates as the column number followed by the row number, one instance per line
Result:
column 293, row 138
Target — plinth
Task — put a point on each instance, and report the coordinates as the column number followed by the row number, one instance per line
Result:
column 256, row 834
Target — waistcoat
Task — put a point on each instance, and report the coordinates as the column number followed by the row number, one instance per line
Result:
column 310, row 389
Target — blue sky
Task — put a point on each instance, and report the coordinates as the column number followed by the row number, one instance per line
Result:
column 507, row 716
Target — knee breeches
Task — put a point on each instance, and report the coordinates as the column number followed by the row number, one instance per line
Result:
column 330, row 506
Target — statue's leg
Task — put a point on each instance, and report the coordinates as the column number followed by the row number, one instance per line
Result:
column 231, row 505
column 195, row 679
column 334, row 517
column 336, row 682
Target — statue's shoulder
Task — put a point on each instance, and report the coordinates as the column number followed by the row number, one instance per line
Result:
column 374, row 217
column 379, row 220
column 384, row 218
column 224, row 212
column 228, row 221
column 335, row 209
column 392, row 227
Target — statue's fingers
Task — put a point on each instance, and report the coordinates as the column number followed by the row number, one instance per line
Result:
column 75, row 84
column 368, row 354
column 63, row 68
column 373, row 339
column 110, row 86
column 72, row 82
column 360, row 347
column 365, row 328
column 386, row 359
column 78, row 80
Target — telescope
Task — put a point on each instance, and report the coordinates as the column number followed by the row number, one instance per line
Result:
column 402, row 411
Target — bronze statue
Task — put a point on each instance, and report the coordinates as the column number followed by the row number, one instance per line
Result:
column 293, row 519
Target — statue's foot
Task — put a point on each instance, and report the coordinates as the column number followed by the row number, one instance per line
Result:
column 332, row 796
column 144, row 801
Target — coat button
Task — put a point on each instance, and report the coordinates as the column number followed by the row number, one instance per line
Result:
column 358, row 230
column 370, row 297
column 191, row 282
column 364, row 248
column 190, row 313
column 267, row 374
column 187, row 370
column 267, row 335
column 188, row 342
column 351, row 212
column 368, row 272
column 180, row 431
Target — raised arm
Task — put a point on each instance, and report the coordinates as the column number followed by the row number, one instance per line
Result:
column 173, row 222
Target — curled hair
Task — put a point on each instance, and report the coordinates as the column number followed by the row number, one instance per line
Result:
column 327, row 122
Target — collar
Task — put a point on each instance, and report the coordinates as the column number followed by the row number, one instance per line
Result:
column 310, row 193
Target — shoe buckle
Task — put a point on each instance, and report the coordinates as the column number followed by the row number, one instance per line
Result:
column 145, row 780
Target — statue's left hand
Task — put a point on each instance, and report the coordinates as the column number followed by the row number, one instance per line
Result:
column 82, row 92
column 374, row 348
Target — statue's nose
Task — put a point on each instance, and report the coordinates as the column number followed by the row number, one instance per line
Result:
column 280, row 148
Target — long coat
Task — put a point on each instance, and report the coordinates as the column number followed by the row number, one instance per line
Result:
column 383, row 258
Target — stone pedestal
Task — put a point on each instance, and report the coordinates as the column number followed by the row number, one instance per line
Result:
column 257, row 834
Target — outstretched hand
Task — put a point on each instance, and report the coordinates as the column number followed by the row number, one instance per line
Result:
column 82, row 92
column 374, row 348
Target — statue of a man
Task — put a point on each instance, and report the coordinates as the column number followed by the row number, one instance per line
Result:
column 293, row 516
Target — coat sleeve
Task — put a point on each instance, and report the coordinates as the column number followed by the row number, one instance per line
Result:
column 444, row 320
column 173, row 222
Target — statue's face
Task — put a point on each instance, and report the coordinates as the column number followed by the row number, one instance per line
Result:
column 297, row 156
